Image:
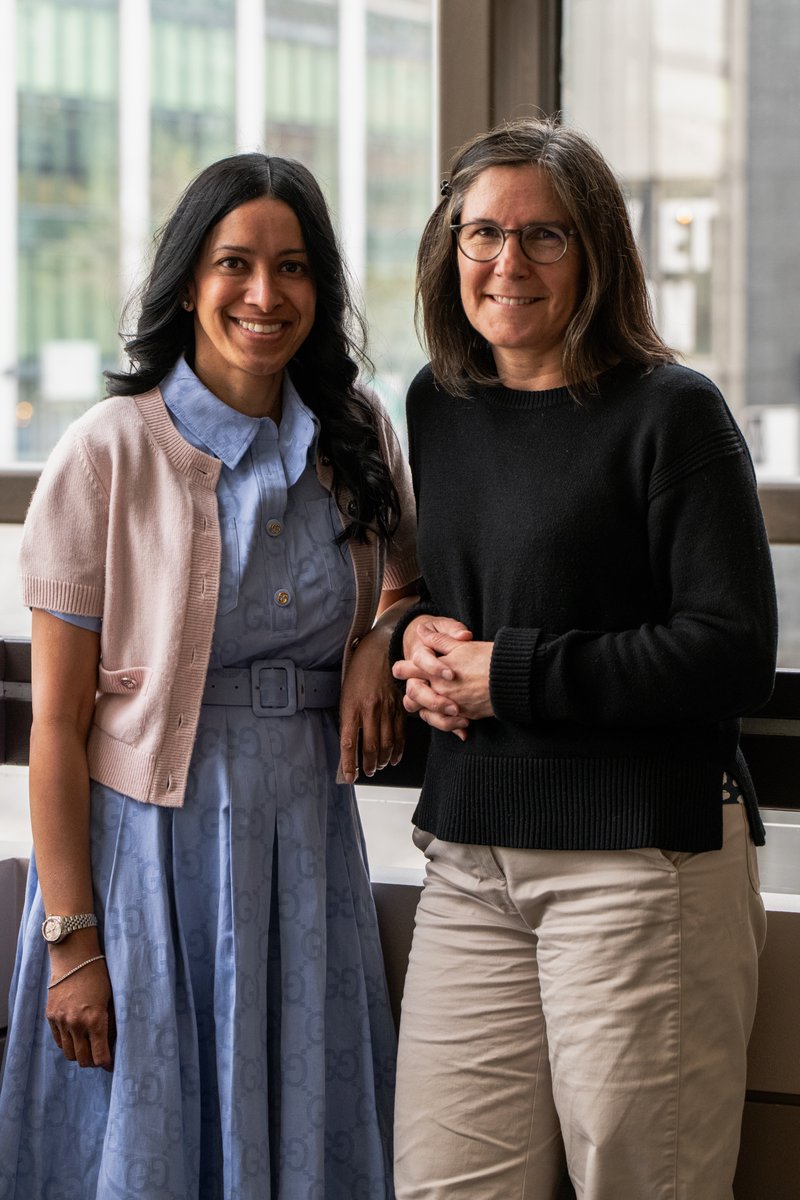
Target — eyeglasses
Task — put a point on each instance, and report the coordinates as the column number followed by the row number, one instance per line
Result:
column 483, row 240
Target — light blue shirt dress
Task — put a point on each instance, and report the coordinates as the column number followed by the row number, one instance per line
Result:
column 255, row 1047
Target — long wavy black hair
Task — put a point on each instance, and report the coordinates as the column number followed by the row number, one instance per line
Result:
column 325, row 368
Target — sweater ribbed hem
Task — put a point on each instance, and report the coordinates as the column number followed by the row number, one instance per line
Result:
column 400, row 572
column 572, row 803
column 80, row 599
column 420, row 609
column 123, row 767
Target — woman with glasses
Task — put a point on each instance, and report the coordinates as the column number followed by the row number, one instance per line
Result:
column 598, row 611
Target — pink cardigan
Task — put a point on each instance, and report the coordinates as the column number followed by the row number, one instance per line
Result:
column 123, row 525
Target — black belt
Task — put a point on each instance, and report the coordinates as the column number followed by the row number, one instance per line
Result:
column 273, row 687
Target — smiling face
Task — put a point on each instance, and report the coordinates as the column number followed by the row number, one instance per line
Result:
column 254, row 302
column 521, row 308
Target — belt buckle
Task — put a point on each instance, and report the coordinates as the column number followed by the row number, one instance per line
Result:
column 276, row 710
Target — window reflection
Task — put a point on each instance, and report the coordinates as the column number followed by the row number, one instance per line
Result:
column 664, row 103
column 695, row 105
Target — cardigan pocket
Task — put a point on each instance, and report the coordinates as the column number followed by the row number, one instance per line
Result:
column 120, row 706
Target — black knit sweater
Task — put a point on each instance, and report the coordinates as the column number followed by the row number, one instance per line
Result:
column 614, row 552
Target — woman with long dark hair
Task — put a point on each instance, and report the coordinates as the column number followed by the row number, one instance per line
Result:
column 205, row 555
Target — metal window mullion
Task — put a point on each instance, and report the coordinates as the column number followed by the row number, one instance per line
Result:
column 251, row 74
column 133, row 99
column 352, row 189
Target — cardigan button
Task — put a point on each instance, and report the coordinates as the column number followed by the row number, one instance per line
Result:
column 128, row 683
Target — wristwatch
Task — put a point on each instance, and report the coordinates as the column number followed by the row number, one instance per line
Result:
column 55, row 929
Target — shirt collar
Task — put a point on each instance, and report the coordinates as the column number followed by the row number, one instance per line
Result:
column 229, row 434
column 297, row 434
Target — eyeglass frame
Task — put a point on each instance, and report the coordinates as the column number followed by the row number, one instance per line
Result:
column 565, row 233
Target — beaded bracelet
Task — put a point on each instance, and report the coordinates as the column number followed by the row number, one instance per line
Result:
column 79, row 967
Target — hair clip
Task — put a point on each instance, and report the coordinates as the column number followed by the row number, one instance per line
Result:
column 446, row 188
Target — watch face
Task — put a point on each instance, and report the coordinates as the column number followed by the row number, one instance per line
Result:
column 51, row 929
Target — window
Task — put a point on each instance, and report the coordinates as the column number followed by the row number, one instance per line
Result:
column 102, row 157
column 695, row 106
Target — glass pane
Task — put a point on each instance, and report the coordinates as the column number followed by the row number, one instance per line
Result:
column 193, row 96
column 399, row 107
column 89, row 195
column 661, row 103
column 695, row 106
column 786, row 562
column 68, row 244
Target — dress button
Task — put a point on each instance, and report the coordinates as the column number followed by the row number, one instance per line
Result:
column 128, row 683
column 282, row 598
column 274, row 528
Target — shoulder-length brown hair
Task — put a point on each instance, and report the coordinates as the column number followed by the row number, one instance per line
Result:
column 613, row 320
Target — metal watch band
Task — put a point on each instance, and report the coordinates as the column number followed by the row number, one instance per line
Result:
column 56, row 928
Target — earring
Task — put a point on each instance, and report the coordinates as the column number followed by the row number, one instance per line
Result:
column 187, row 304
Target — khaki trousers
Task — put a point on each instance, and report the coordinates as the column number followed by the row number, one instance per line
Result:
column 590, row 1005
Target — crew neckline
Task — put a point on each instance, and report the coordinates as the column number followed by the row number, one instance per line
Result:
column 516, row 398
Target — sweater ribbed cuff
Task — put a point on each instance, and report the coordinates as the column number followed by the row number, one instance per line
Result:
column 510, row 675
column 421, row 609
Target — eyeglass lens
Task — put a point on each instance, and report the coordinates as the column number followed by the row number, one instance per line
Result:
column 540, row 243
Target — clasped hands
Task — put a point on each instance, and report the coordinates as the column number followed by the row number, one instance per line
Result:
column 446, row 674
column 447, row 683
